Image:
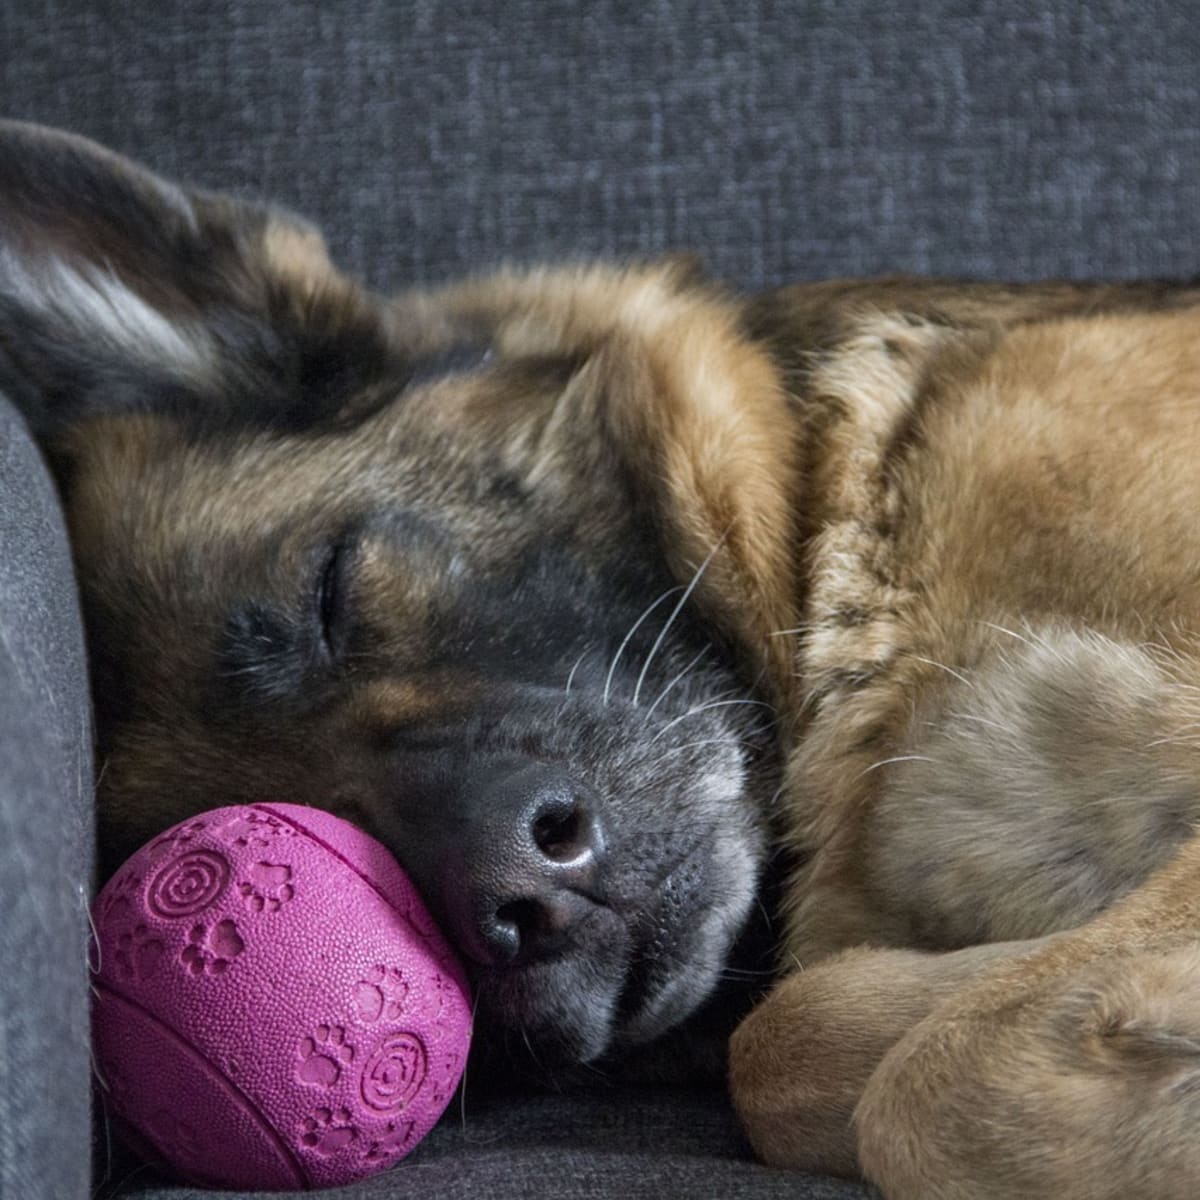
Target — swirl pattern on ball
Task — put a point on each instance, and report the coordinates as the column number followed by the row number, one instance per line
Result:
column 394, row 1073
column 189, row 884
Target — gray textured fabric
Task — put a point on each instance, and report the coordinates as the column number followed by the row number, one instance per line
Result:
column 1010, row 138
column 998, row 138
column 619, row 1145
column 45, row 840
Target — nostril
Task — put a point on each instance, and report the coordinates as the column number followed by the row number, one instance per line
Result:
column 506, row 933
column 528, row 929
column 563, row 833
column 520, row 916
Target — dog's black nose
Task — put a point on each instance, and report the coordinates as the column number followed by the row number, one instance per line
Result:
column 533, row 857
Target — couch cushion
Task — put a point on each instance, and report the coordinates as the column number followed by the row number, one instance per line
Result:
column 1009, row 138
column 643, row 1144
column 45, row 839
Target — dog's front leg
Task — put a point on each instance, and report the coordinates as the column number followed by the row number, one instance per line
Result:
column 1072, row 1073
column 800, row 1062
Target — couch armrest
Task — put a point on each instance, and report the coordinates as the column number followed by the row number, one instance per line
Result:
column 46, row 851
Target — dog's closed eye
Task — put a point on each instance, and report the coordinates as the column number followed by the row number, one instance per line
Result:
column 274, row 649
column 331, row 599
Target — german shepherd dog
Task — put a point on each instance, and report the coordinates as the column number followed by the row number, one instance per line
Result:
column 899, row 580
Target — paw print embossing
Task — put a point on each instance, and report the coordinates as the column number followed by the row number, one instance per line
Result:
column 212, row 951
column 137, row 953
column 178, row 837
column 117, row 905
column 269, row 887
column 323, row 1054
column 327, row 1131
column 446, row 1069
column 252, row 829
column 439, row 995
column 393, row 1141
column 382, row 994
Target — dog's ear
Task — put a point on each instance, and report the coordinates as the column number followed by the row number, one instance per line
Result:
column 695, row 410
column 122, row 292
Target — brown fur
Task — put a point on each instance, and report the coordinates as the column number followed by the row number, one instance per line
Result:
column 998, row 743
column 997, row 543
column 997, row 612
column 719, row 441
column 948, row 531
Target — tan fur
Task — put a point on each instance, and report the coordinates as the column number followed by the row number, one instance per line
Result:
column 998, row 650
column 297, row 253
column 994, row 723
column 836, row 1021
column 990, row 690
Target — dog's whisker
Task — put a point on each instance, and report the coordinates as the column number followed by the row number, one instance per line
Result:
column 571, row 676
column 108, row 1144
column 730, row 742
column 942, row 667
column 595, row 1070
column 663, row 694
column 128, row 1178
column 462, row 1083
column 898, row 758
column 662, row 633
column 532, row 1052
column 94, row 950
column 965, row 716
column 625, row 641
column 96, row 1072
column 1033, row 641
column 736, row 974
column 746, row 737
column 695, row 712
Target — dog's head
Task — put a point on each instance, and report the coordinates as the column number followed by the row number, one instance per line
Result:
column 512, row 618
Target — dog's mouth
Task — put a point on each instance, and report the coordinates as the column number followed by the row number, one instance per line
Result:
column 638, row 965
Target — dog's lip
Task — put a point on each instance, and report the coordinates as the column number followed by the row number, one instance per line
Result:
column 645, row 1007
column 643, row 995
column 636, row 996
column 545, row 990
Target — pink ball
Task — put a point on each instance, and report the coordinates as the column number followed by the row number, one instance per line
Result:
column 274, row 1007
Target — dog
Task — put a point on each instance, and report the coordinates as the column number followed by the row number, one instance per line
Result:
column 890, row 586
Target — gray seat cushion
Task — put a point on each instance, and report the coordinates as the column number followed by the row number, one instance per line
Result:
column 1001, row 138
column 45, row 838
column 601, row 1145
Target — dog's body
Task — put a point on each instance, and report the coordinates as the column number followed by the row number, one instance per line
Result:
column 902, row 575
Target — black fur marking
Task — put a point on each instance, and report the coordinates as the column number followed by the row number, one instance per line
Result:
column 266, row 353
column 261, row 655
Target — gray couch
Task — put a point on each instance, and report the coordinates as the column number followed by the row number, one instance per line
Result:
column 998, row 138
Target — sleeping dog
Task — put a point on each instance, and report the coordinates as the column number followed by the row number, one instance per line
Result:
column 895, row 583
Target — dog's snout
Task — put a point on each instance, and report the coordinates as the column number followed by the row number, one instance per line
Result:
column 534, row 862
